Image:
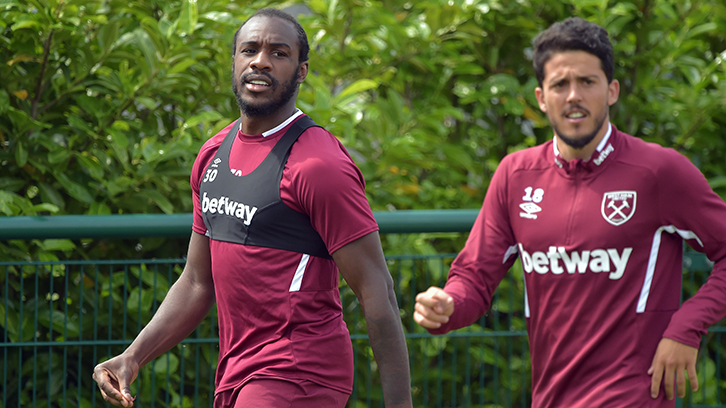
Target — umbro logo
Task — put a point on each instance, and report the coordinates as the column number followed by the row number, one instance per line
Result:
column 530, row 210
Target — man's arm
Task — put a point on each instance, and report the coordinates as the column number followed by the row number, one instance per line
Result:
column 688, row 203
column 673, row 359
column 433, row 308
column 185, row 306
column 363, row 266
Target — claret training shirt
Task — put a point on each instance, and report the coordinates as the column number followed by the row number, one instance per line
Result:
column 280, row 314
column 600, row 243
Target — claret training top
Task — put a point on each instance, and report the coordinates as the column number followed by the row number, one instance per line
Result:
column 280, row 314
column 600, row 243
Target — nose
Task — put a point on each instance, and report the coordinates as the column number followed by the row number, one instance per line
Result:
column 575, row 93
column 260, row 62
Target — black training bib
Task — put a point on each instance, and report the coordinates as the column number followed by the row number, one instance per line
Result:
column 248, row 210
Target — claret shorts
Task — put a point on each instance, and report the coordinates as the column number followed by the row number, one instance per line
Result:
column 278, row 393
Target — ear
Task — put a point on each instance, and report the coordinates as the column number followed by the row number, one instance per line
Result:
column 539, row 94
column 613, row 92
column 303, row 72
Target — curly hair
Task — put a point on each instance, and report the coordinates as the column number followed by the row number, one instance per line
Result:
column 269, row 12
column 573, row 34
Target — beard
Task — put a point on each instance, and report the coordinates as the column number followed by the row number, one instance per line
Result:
column 263, row 109
column 579, row 143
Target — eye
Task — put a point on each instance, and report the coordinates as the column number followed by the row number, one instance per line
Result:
column 278, row 53
column 247, row 51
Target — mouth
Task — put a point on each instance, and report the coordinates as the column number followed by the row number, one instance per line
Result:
column 576, row 114
column 257, row 83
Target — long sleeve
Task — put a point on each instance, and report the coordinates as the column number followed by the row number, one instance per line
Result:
column 699, row 216
column 488, row 254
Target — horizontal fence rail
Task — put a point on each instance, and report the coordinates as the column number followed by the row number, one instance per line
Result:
column 180, row 225
column 61, row 318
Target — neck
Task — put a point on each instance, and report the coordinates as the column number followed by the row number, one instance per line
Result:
column 257, row 125
column 584, row 153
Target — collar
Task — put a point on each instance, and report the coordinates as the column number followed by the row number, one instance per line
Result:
column 602, row 152
column 599, row 147
column 287, row 121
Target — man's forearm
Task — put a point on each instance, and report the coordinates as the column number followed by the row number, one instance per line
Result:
column 389, row 348
column 184, row 307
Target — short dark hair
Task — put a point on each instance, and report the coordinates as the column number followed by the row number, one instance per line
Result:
column 573, row 34
column 302, row 37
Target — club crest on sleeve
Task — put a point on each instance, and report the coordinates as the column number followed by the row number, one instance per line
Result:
column 618, row 206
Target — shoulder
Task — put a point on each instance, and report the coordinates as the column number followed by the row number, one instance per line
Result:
column 532, row 158
column 319, row 150
column 319, row 161
column 317, row 141
column 207, row 151
column 662, row 161
column 212, row 144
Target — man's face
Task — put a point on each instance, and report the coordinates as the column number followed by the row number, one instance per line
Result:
column 265, row 68
column 576, row 96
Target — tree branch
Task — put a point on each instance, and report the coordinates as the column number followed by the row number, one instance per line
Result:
column 39, row 86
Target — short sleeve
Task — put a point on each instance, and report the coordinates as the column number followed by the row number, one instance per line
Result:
column 322, row 181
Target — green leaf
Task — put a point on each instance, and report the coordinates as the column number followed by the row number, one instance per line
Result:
column 4, row 101
column 182, row 66
column 44, row 207
column 703, row 28
column 10, row 184
column 58, row 155
column 166, row 363
column 159, row 199
column 204, row 117
column 119, row 138
column 24, row 23
column 74, row 189
column 58, row 245
column 144, row 42
column 189, row 17
column 220, row 17
column 149, row 103
column 358, row 86
column 107, row 35
column 91, row 165
column 50, row 195
column 21, row 154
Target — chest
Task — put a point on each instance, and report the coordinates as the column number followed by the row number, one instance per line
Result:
column 612, row 210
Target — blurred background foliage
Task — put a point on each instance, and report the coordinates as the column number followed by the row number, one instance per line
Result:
column 104, row 105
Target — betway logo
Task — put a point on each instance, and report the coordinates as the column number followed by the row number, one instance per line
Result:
column 604, row 154
column 557, row 261
column 223, row 205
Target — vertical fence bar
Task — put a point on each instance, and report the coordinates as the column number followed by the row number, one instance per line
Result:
column 95, row 324
column 168, row 353
column 81, row 284
column 35, row 337
column 66, row 290
column 197, row 367
column 154, row 308
column 210, row 393
column 6, row 297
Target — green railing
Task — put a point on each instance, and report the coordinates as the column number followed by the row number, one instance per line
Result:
column 61, row 318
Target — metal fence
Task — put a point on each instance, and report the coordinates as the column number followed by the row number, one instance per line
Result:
column 61, row 318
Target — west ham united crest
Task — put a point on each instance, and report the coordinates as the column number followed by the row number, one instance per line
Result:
column 618, row 206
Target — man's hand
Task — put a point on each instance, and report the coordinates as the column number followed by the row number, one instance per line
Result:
column 114, row 378
column 433, row 308
column 673, row 358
